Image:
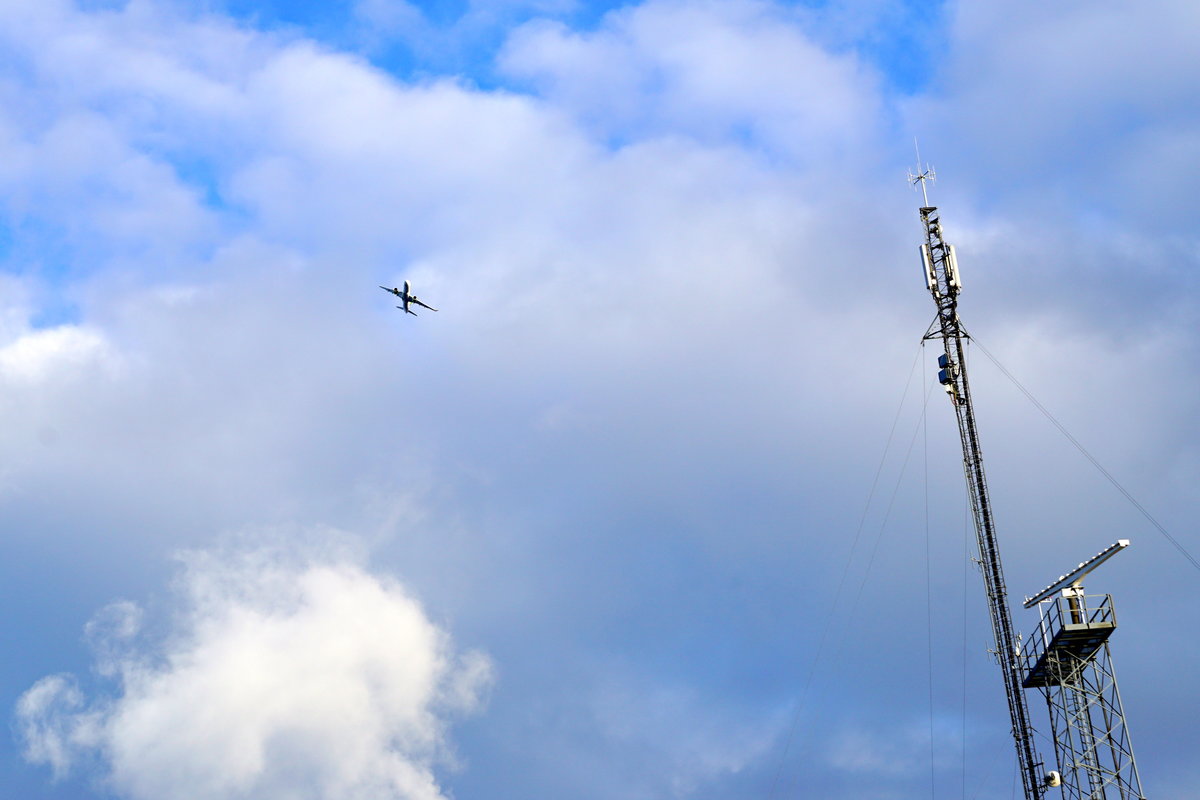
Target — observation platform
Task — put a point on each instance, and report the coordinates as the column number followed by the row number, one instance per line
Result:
column 1078, row 632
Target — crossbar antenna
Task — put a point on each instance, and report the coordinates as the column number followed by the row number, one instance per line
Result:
column 923, row 175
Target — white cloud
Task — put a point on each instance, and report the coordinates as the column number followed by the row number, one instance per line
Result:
column 51, row 723
column 280, row 677
column 1077, row 108
column 717, row 71
column 60, row 352
column 395, row 17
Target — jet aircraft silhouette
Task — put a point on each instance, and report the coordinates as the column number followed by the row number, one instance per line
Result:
column 407, row 297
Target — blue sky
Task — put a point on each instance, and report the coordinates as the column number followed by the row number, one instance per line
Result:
column 603, row 526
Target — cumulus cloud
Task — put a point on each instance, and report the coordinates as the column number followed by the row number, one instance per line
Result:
column 395, row 17
column 42, row 354
column 51, row 724
column 718, row 71
column 279, row 677
column 1082, row 108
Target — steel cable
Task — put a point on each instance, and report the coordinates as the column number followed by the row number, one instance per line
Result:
column 1178, row 546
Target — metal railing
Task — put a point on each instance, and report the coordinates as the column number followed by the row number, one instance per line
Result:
column 1079, row 612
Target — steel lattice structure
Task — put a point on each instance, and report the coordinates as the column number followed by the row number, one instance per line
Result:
column 1071, row 664
column 941, row 272
column 1068, row 658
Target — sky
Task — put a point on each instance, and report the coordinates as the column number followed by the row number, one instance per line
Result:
column 663, row 501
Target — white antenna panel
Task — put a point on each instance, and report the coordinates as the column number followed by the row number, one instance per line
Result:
column 930, row 275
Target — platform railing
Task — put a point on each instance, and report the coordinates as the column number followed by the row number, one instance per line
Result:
column 1078, row 611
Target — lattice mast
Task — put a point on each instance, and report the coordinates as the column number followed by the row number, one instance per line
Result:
column 943, row 282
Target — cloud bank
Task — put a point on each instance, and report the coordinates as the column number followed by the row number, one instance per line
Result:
column 278, row 678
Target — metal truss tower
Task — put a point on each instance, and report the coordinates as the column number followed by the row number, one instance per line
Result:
column 1069, row 661
column 942, row 280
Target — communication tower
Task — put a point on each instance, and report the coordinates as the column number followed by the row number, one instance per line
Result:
column 943, row 281
column 1069, row 659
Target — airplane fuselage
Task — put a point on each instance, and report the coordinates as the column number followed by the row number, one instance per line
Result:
column 406, row 296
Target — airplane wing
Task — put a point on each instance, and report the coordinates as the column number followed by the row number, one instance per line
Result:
column 423, row 305
column 393, row 291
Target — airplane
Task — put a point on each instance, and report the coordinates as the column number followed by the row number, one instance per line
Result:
column 407, row 297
